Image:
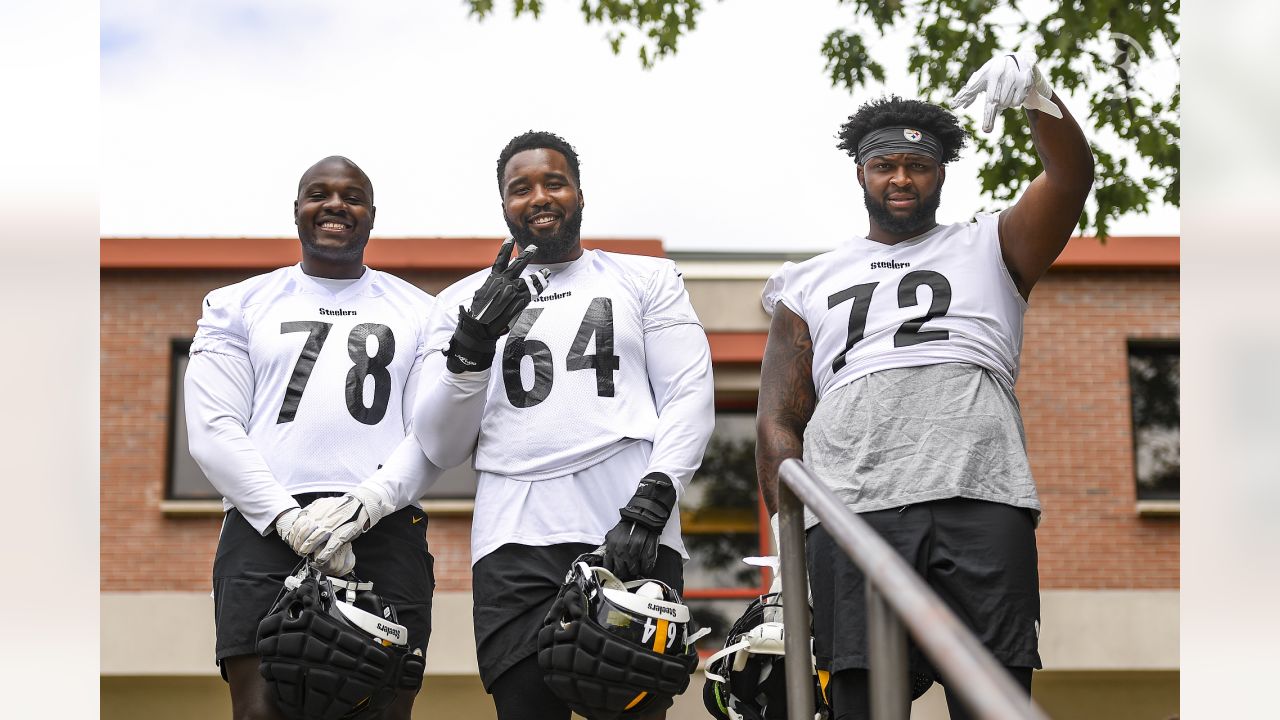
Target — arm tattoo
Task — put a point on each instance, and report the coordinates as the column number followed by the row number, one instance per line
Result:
column 787, row 399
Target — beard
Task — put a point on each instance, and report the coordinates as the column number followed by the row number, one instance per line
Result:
column 333, row 253
column 555, row 247
column 920, row 219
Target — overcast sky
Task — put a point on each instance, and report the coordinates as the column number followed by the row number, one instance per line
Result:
column 211, row 111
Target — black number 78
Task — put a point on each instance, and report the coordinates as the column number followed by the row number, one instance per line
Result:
column 362, row 366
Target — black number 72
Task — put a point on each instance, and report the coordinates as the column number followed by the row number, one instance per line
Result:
column 909, row 333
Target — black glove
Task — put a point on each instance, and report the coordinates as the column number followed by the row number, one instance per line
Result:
column 495, row 306
column 631, row 547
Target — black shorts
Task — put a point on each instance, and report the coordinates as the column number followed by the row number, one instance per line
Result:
column 980, row 557
column 249, row 572
column 513, row 588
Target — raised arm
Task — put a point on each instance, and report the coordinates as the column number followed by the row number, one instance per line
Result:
column 787, row 399
column 449, row 407
column 448, row 410
column 1035, row 230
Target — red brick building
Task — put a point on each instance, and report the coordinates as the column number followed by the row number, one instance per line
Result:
column 1108, row 543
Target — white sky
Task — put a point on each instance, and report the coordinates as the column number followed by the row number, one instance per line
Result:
column 211, row 111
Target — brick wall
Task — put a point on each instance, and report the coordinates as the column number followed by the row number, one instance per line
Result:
column 1073, row 388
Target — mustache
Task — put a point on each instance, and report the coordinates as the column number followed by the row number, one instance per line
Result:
column 558, row 244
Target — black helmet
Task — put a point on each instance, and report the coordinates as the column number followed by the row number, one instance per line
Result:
column 611, row 649
column 335, row 658
column 747, row 679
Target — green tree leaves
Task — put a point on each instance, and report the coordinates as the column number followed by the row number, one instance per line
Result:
column 1088, row 48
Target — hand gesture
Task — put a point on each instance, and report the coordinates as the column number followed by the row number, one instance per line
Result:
column 1009, row 80
column 497, row 304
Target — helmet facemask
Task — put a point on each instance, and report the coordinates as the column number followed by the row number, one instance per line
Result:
column 331, row 649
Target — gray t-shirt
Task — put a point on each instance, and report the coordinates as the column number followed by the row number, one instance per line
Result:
column 910, row 435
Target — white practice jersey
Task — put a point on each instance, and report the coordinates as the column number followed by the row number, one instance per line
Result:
column 944, row 296
column 322, row 398
column 570, row 384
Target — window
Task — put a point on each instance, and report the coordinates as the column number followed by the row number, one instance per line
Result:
column 186, row 481
column 1154, row 386
column 721, row 517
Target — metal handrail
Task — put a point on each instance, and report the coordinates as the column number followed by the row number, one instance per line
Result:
column 897, row 595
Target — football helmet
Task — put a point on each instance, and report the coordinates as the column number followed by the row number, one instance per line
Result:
column 747, row 679
column 611, row 649
column 332, row 650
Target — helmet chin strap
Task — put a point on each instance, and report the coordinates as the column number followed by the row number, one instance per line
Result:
column 350, row 588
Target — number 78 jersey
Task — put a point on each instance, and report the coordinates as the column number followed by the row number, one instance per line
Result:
column 944, row 296
column 329, row 369
column 570, row 381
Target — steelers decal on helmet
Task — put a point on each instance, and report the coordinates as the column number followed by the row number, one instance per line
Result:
column 611, row 649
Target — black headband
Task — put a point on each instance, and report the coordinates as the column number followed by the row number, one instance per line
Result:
column 898, row 139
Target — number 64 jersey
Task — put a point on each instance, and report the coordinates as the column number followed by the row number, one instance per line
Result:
column 943, row 296
column 298, row 388
column 572, row 382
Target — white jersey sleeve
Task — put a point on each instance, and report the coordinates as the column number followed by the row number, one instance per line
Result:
column 449, row 406
column 665, row 300
column 218, row 391
column 407, row 473
column 944, row 296
column 774, row 287
column 684, row 396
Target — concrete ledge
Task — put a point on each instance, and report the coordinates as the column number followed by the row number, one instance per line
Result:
column 1159, row 508
column 1109, row 629
column 171, row 634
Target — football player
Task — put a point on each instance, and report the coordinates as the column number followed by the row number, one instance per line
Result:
column 890, row 369
column 586, row 421
column 298, row 400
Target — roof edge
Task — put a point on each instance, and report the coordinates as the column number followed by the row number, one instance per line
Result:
column 385, row 253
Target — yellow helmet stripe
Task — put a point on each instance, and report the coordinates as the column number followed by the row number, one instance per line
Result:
column 660, row 637
column 659, row 646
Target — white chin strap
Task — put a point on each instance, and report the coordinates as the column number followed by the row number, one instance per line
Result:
column 763, row 639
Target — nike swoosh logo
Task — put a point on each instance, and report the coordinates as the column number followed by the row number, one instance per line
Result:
column 418, row 519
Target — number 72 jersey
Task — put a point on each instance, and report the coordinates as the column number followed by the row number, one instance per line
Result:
column 944, row 296
column 570, row 383
column 329, row 369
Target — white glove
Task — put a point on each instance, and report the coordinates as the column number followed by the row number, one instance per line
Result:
column 1010, row 80
column 296, row 527
column 328, row 522
column 289, row 530
column 339, row 563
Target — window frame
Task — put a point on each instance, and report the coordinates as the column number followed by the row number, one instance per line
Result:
column 172, row 501
column 1162, row 503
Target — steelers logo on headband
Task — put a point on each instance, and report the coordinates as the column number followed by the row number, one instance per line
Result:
column 898, row 139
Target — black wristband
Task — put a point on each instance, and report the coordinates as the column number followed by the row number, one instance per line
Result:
column 471, row 349
column 651, row 506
